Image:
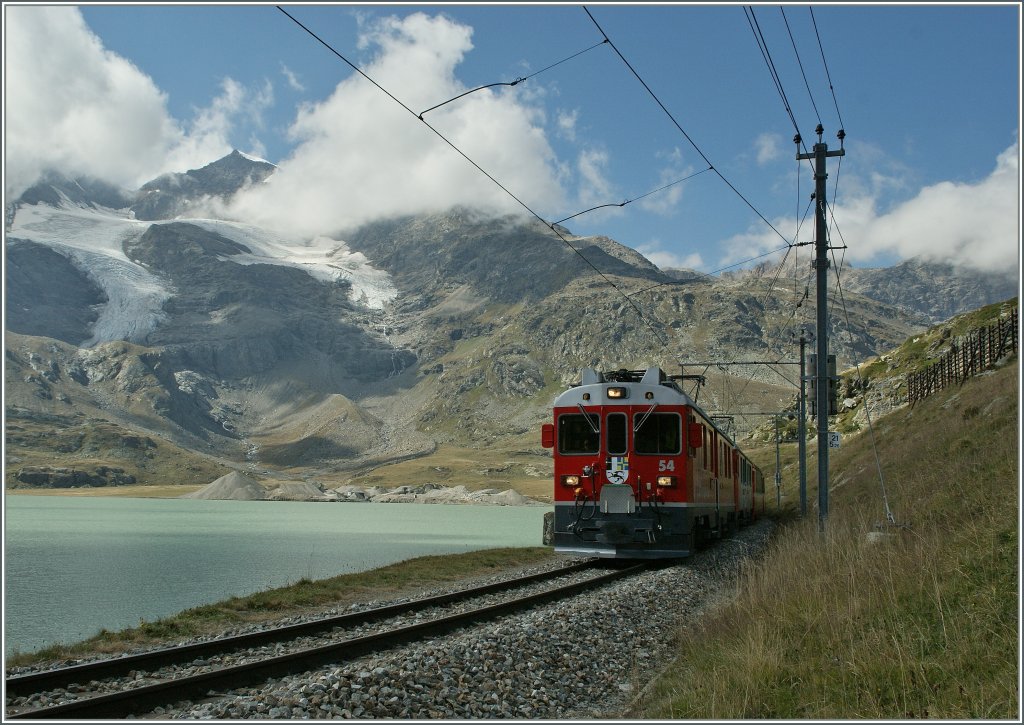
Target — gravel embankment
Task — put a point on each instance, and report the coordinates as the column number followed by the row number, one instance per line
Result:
column 579, row 658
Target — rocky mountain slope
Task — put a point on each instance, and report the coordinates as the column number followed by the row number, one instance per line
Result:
column 143, row 343
column 935, row 291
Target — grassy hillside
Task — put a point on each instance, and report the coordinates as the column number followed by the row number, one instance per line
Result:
column 913, row 620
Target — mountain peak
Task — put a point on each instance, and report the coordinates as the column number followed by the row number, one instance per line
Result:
column 171, row 195
column 236, row 160
column 250, row 157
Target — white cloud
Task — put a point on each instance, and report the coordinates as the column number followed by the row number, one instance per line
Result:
column 109, row 122
column 81, row 109
column 361, row 156
column 670, row 260
column 207, row 138
column 567, row 124
column 293, row 80
column 975, row 225
column 595, row 188
column 358, row 155
column 971, row 224
column 767, row 148
column 665, row 200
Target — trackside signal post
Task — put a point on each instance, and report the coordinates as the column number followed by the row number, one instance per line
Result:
column 820, row 154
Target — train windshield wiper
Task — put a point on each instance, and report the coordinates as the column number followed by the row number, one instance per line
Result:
column 643, row 420
column 586, row 417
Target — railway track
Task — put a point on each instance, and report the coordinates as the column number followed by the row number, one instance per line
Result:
column 166, row 676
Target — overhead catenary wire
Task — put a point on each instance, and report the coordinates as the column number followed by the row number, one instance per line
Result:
column 630, row 201
column 711, row 274
column 762, row 45
column 517, row 81
column 610, row 282
column 825, row 63
column 658, row 333
column 800, row 64
column 782, row 328
column 803, row 297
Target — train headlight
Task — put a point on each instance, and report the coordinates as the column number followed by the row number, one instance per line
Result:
column 570, row 481
column 617, row 393
column 667, row 481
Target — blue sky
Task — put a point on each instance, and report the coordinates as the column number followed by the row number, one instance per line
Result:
column 929, row 98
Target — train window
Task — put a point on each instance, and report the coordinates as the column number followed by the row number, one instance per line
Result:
column 659, row 434
column 577, row 435
column 616, row 434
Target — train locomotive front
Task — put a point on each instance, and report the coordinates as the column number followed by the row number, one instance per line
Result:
column 641, row 471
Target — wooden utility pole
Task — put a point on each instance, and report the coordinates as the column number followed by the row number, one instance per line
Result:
column 819, row 154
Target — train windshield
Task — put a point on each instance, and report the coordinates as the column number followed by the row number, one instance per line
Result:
column 659, row 433
column 577, row 434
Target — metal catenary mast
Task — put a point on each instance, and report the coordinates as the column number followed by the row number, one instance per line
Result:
column 820, row 154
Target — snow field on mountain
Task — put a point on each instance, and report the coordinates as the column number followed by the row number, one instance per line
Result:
column 94, row 240
column 322, row 257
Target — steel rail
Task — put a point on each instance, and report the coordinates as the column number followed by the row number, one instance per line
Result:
column 143, row 699
column 154, row 659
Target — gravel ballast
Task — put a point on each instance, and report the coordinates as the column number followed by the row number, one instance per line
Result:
column 582, row 657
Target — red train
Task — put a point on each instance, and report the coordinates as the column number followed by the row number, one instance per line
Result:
column 641, row 471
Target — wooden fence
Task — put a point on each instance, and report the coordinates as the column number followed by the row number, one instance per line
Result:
column 967, row 356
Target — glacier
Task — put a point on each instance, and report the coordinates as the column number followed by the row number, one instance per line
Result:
column 93, row 238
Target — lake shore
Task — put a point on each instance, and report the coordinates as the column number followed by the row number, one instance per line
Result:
column 238, row 486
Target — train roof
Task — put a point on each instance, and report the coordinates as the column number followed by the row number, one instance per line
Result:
column 653, row 380
column 665, row 391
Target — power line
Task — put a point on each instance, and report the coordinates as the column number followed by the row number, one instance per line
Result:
column 829, row 77
column 517, row 81
column 762, row 45
column 800, row 63
column 710, row 275
column 630, row 201
column 842, row 126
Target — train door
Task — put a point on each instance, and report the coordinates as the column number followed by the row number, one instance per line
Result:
column 616, row 448
column 736, row 473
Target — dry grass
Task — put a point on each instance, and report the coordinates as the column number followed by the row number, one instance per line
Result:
column 914, row 621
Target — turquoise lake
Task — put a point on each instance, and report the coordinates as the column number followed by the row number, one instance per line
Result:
column 73, row 566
